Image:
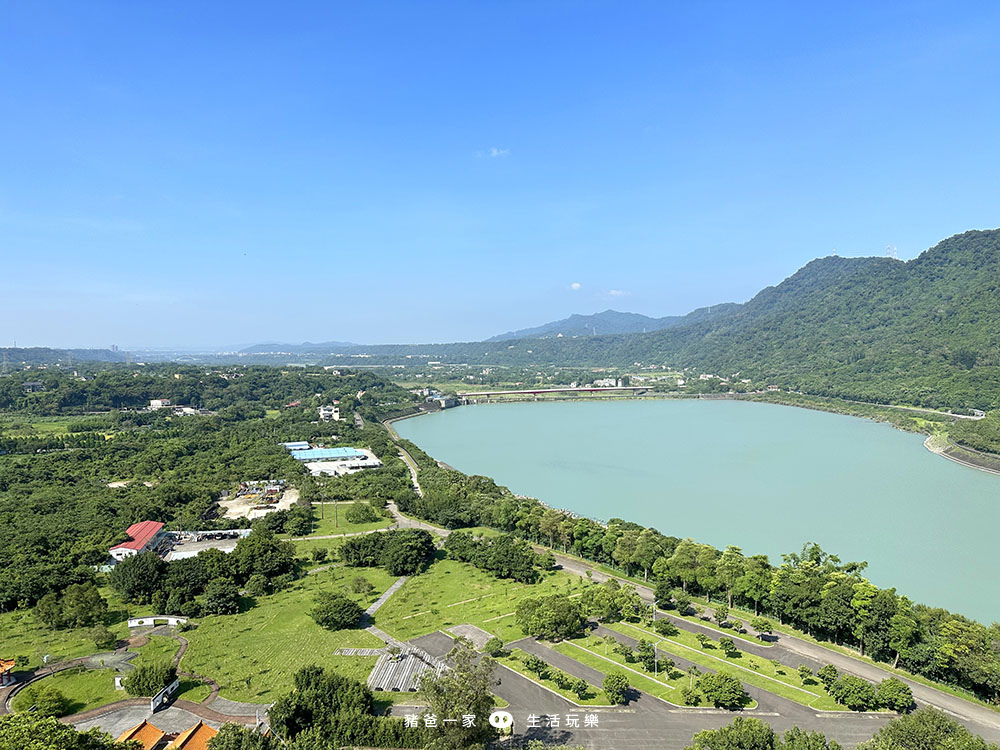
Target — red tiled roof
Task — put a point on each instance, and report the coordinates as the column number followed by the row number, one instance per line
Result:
column 147, row 735
column 195, row 738
column 7, row 664
column 141, row 534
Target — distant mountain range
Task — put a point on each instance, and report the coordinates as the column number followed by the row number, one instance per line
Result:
column 306, row 346
column 609, row 322
column 925, row 331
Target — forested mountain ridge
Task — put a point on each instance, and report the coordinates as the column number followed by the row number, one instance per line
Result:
column 609, row 321
column 925, row 331
column 612, row 322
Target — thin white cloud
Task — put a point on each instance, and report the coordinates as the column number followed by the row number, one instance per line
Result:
column 617, row 293
column 576, row 286
column 497, row 152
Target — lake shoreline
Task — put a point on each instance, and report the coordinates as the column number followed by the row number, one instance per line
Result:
column 892, row 415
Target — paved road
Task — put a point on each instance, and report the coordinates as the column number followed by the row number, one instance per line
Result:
column 646, row 723
column 793, row 651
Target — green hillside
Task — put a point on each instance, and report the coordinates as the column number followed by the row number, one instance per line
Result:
column 923, row 332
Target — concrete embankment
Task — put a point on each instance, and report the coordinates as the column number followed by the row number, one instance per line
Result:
column 973, row 459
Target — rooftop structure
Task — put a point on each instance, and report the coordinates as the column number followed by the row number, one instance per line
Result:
column 195, row 738
column 298, row 445
column 6, row 667
column 327, row 454
column 329, row 413
column 147, row 735
column 142, row 535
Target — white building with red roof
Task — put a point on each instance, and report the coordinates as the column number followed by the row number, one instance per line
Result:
column 142, row 536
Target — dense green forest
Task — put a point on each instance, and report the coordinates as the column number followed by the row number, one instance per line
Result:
column 58, row 514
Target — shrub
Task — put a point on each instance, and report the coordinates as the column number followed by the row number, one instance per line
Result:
column 828, row 675
column 494, row 647
column 665, row 627
column 535, row 664
column 102, row 637
column 335, row 611
column 257, row 585
column 149, row 679
column 722, row 690
column 895, row 694
column 690, row 696
column 361, row 512
column 616, row 686
column 47, row 700
column 222, row 597
column 855, row 693
column 361, row 585
column 551, row 617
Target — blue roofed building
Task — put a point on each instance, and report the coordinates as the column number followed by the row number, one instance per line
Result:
column 328, row 454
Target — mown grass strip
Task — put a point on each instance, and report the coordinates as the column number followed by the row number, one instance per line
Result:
column 766, row 676
column 515, row 661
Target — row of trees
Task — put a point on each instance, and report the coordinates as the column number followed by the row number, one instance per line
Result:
column 926, row 728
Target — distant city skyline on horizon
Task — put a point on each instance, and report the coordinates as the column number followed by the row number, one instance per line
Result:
column 419, row 174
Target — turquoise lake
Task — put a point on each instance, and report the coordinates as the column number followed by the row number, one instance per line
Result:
column 763, row 477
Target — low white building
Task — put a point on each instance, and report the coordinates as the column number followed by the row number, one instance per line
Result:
column 329, row 413
column 159, row 403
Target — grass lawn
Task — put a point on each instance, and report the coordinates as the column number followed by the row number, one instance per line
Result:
column 327, row 525
column 159, row 650
column 22, row 635
column 84, row 689
column 193, row 690
column 269, row 642
column 515, row 661
column 453, row 593
column 14, row 426
column 304, row 547
column 752, row 670
column 592, row 654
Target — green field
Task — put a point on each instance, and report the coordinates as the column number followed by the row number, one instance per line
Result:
column 273, row 639
column 753, row 670
column 159, row 650
column 327, row 525
column 515, row 661
column 84, row 689
column 22, row 635
column 454, row 593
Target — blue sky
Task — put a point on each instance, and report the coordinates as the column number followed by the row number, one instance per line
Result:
column 197, row 174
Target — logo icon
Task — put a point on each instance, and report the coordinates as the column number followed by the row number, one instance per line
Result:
column 501, row 719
